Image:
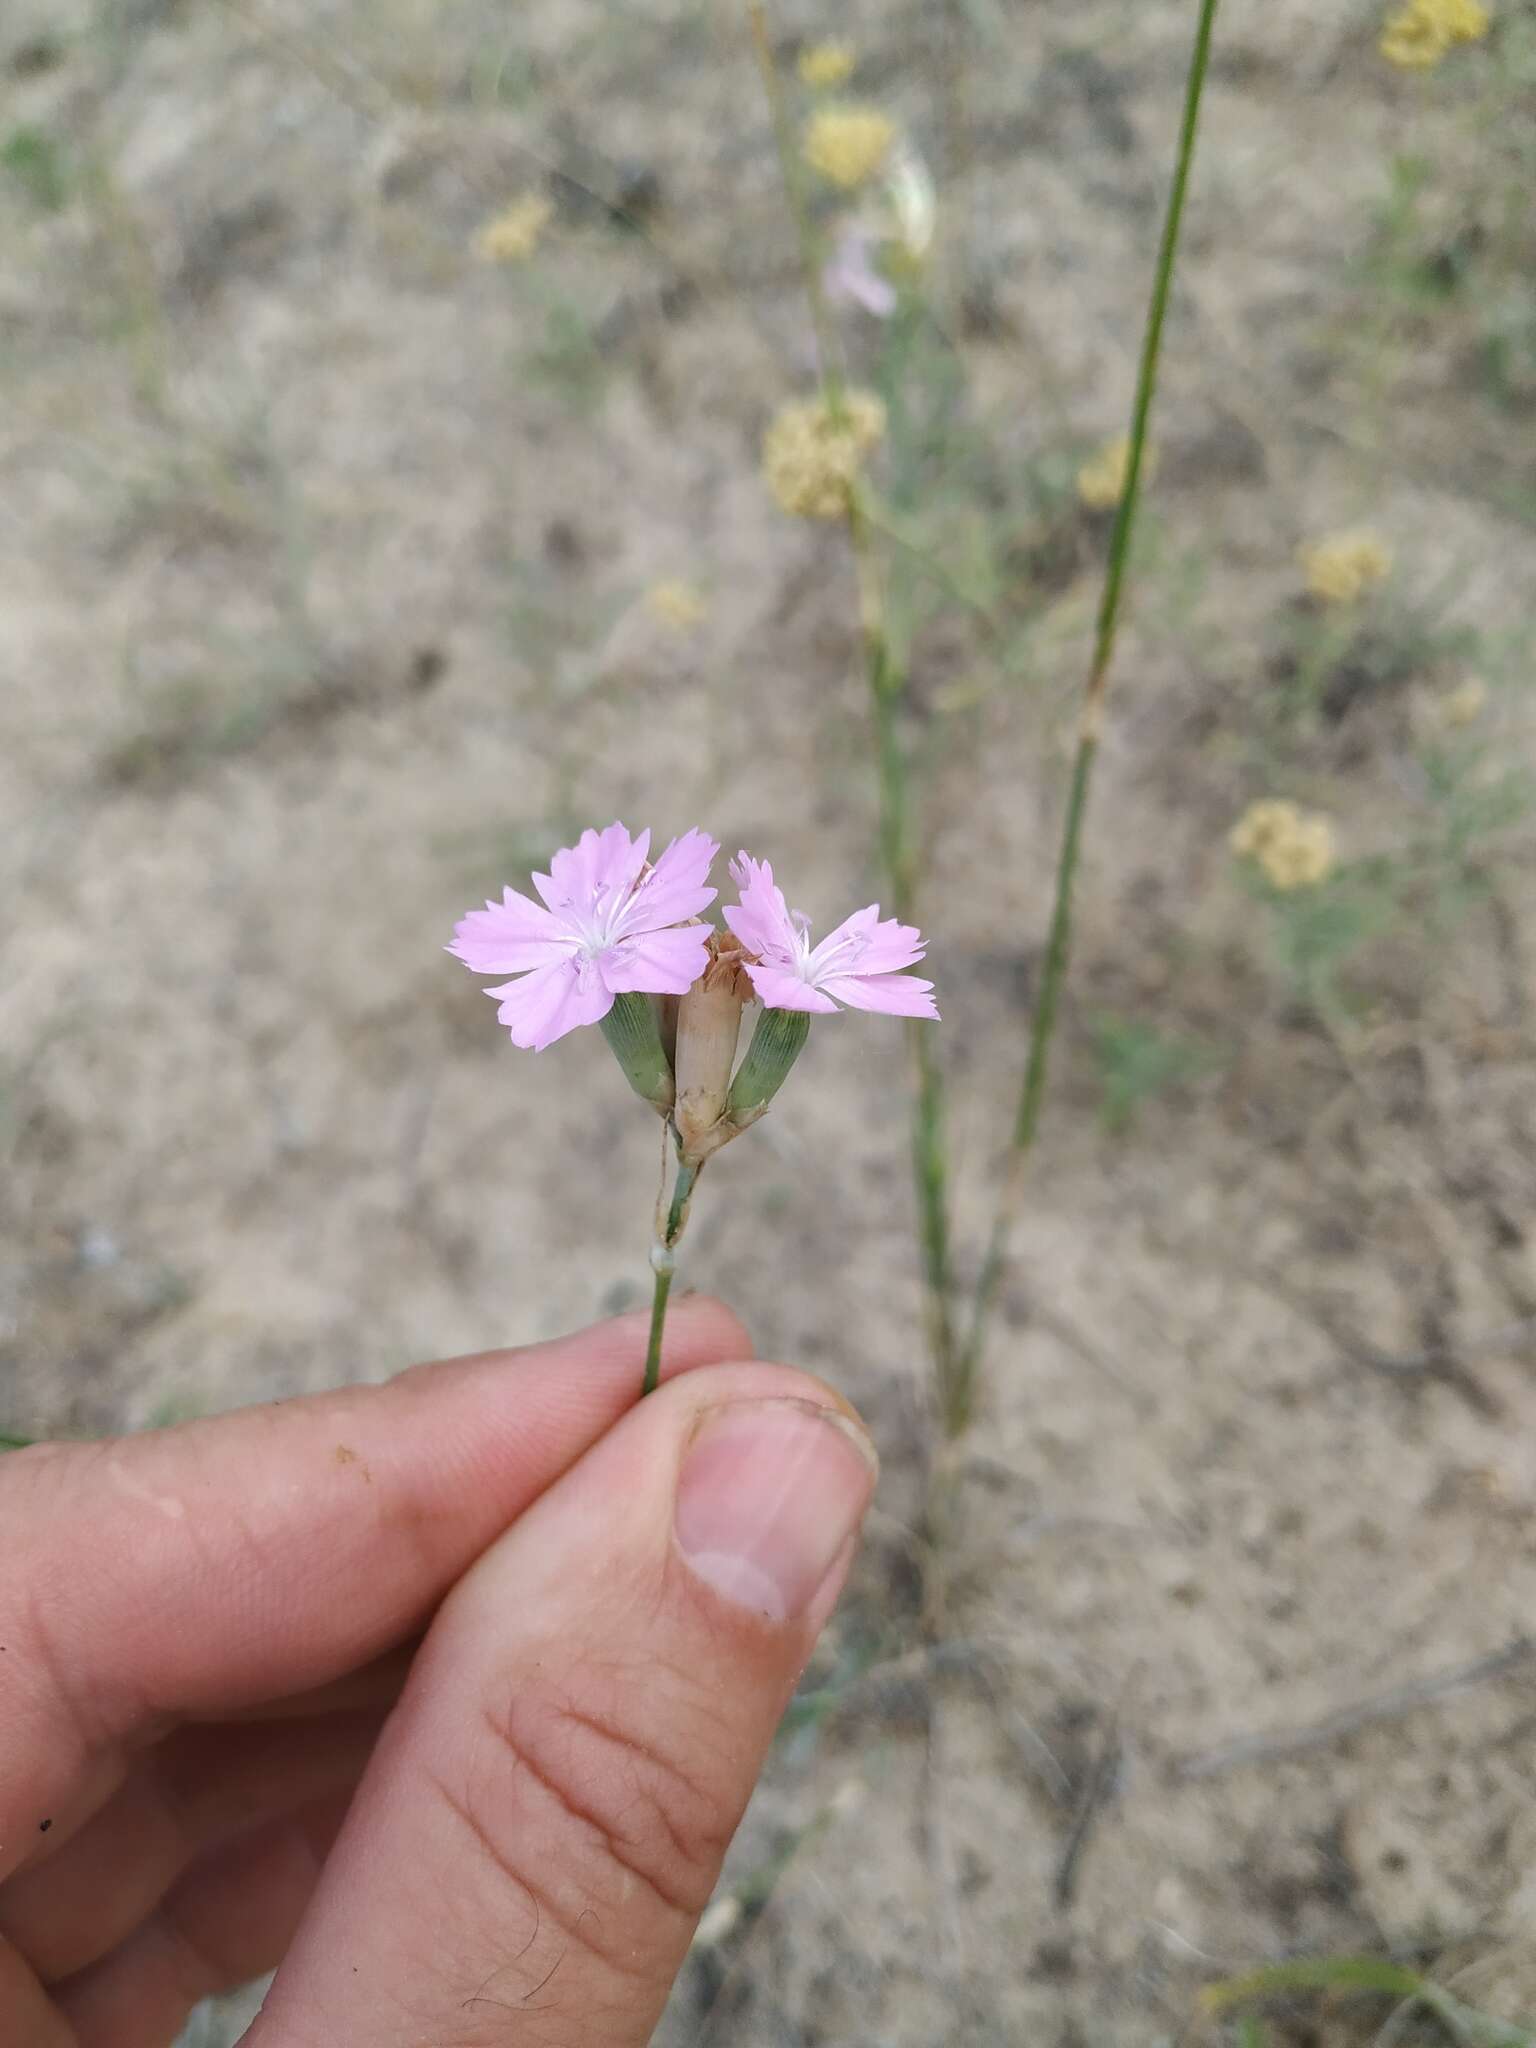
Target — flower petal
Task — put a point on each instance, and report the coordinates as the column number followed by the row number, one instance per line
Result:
column 893, row 995
column 777, row 989
column 656, row 963
column 508, row 937
column 676, row 888
column 602, row 864
column 861, row 944
column 761, row 920
column 545, row 1005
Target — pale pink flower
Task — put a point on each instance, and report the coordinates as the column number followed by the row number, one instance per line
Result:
column 850, row 277
column 603, row 930
column 858, row 964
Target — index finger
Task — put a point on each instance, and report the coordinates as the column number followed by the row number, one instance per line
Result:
column 205, row 1568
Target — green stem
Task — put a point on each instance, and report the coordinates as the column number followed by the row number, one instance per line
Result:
column 930, row 1164
column 887, row 690
column 664, row 1265
column 658, row 1324
column 1058, row 947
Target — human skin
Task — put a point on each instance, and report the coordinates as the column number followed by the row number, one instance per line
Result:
column 444, row 1697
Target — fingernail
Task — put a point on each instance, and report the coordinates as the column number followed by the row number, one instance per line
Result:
column 769, row 1495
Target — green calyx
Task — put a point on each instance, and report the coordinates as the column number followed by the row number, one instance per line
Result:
column 776, row 1045
column 634, row 1039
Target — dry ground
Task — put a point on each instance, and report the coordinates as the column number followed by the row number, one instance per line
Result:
column 319, row 622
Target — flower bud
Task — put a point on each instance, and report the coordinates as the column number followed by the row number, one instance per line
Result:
column 776, row 1045
column 634, row 1038
column 708, row 1023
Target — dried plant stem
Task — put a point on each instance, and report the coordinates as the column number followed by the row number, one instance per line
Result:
column 664, row 1263
column 1058, row 945
column 887, row 690
column 793, row 174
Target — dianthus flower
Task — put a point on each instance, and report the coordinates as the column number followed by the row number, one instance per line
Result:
column 612, row 934
column 1294, row 848
column 604, row 929
column 827, row 64
column 851, row 277
column 812, row 453
column 513, row 235
column 1344, row 566
column 859, row 963
column 848, row 144
column 1101, row 480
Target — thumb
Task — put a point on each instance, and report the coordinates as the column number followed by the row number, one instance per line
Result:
column 547, row 1812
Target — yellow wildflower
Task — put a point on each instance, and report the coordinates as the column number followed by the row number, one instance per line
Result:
column 512, row 235
column 825, row 65
column 1464, row 21
column 1345, row 565
column 1412, row 41
column 1419, row 34
column 812, row 454
column 1294, row 848
column 677, row 604
column 1101, row 479
column 848, row 144
column 1466, row 703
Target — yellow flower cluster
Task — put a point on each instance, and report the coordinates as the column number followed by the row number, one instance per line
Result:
column 825, row 65
column 812, row 453
column 1345, row 565
column 677, row 604
column 513, row 235
column 1293, row 847
column 1420, row 33
column 848, row 144
column 1101, row 479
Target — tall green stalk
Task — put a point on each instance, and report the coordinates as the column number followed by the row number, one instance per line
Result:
column 887, row 691
column 1058, row 945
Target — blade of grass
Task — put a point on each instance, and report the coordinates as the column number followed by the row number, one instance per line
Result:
column 1316, row 1973
column 1368, row 1974
column 1058, row 944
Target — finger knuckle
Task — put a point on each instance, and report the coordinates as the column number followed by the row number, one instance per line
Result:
column 638, row 1799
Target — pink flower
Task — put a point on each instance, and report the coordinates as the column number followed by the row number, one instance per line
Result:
column 858, row 964
column 850, row 277
column 603, row 930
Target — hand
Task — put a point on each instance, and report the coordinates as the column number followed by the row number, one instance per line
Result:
column 446, row 1696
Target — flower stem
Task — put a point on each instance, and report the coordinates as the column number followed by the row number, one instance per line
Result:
column 887, row 691
column 664, row 1266
column 1058, row 946
column 793, row 174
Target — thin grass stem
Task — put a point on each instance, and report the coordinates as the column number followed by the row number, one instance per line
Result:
column 792, row 172
column 887, row 691
column 1058, row 944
